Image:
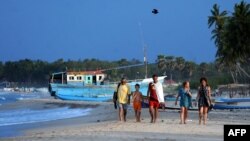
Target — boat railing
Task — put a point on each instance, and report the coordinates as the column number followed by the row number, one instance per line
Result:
column 128, row 81
column 145, row 80
column 135, row 80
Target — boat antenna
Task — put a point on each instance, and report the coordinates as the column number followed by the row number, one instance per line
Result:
column 144, row 50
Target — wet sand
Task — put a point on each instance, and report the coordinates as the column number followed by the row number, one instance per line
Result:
column 101, row 124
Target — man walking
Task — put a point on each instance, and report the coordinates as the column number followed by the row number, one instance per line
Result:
column 123, row 92
column 156, row 97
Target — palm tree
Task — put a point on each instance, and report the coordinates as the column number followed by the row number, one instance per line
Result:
column 1, row 70
column 223, row 63
column 180, row 63
column 240, row 26
column 218, row 20
column 161, row 63
column 171, row 64
column 237, row 41
column 203, row 68
column 190, row 67
column 231, row 36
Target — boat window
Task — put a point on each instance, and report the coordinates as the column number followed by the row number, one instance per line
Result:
column 71, row 78
column 88, row 78
column 79, row 78
column 100, row 78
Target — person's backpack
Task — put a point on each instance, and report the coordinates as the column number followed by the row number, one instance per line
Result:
column 115, row 96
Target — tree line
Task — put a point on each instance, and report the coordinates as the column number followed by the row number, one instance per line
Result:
column 37, row 72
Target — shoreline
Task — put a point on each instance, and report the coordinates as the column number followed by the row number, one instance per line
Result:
column 101, row 124
column 16, row 130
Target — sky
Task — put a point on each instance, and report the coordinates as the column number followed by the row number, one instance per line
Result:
column 107, row 29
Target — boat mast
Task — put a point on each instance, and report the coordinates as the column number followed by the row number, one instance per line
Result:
column 144, row 51
column 145, row 61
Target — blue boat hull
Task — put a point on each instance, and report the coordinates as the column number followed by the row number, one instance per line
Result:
column 229, row 107
column 87, row 93
column 232, row 100
column 232, row 103
column 81, row 98
column 82, row 93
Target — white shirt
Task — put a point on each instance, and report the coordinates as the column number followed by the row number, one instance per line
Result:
column 159, row 91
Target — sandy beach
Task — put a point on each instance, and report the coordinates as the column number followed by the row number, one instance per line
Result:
column 102, row 124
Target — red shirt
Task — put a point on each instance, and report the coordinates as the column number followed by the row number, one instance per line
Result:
column 152, row 90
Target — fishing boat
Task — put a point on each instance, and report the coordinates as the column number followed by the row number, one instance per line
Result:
column 232, row 103
column 81, row 85
column 238, row 97
column 232, row 100
column 88, row 85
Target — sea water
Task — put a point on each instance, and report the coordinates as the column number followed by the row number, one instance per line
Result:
column 20, row 116
column 10, row 97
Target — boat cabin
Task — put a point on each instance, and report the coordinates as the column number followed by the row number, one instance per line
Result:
column 78, row 78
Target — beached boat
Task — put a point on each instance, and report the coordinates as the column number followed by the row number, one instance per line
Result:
column 82, row 85
column 230, row 107
column 88, row 85
column 232, row 103
column 232, row 100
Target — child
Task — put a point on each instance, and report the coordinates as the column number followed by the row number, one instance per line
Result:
column 137, row 99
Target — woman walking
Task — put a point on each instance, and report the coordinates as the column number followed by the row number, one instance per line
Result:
column 203, row 98
column 185, row 101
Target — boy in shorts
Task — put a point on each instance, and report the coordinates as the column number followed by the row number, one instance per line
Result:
column 137, row 99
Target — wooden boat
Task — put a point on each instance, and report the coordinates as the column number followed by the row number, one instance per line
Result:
column 232, row 100
column 229, row 107
column 88, row 85
column 232, row 103
column 82, row 98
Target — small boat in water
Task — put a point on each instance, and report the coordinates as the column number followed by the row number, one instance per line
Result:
column 232, row 103
column 88, row 85
column 241, row 91
column 230, row 107
column 232, row 100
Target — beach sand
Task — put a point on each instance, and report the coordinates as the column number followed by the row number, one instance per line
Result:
column 102, row 124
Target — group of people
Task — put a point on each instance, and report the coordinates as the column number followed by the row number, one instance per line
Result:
column 155, row 98
column 203, row 99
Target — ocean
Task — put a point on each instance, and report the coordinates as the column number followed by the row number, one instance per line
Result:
column 12, row 115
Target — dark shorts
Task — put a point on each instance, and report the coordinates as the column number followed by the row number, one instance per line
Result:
column 203, row 102
column 154, row 104
column 123, row 106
